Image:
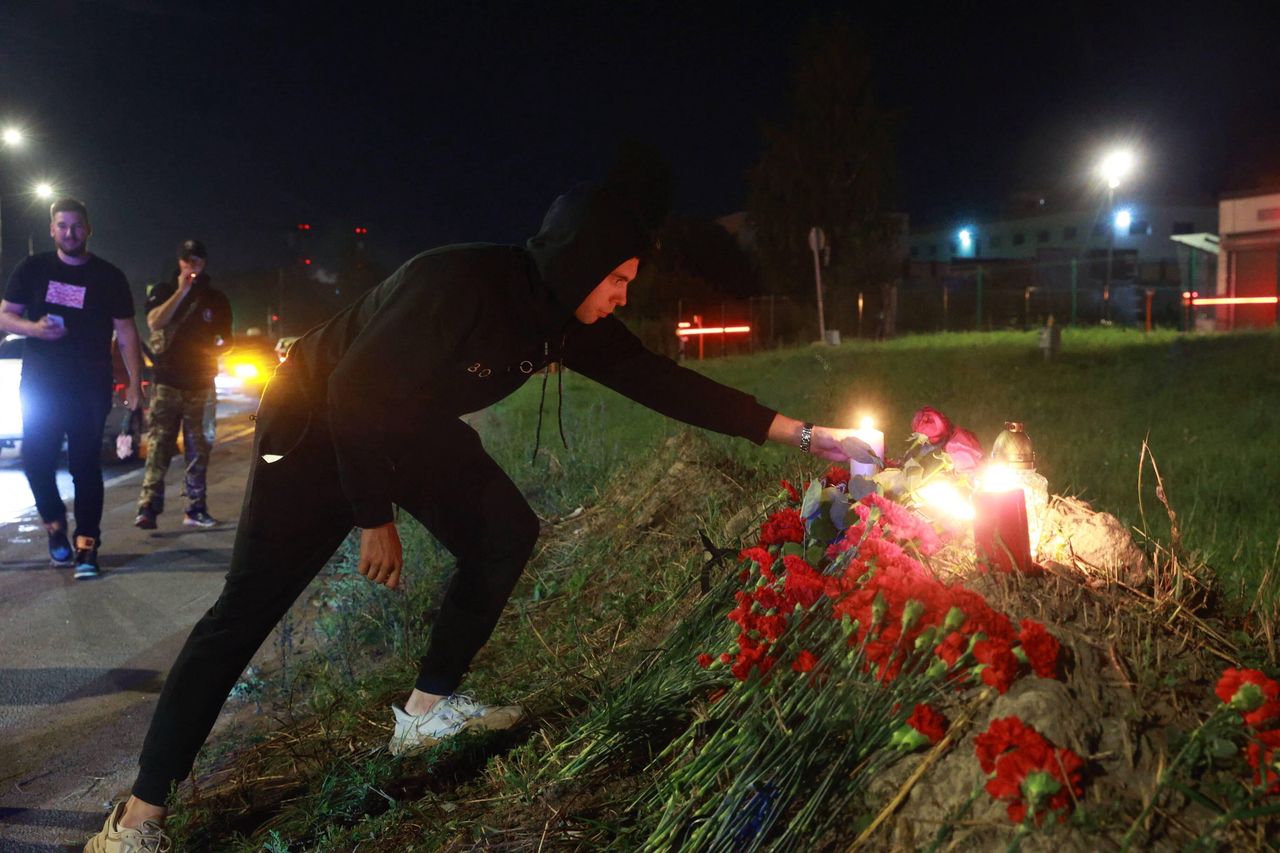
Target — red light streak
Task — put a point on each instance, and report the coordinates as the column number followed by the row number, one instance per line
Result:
column 714, row 330
column 1236, row 300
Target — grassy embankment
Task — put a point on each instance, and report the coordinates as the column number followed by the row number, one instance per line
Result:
column 600, row 593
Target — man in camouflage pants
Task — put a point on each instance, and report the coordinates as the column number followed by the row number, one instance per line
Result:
column 194, row 321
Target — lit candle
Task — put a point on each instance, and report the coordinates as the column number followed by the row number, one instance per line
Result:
column 1000, row 533
column 874, row 438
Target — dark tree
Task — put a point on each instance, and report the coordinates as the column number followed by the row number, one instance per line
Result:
column 699, row 263
column 828, row 164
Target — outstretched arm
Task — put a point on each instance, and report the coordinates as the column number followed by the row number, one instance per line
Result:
column 824, row 443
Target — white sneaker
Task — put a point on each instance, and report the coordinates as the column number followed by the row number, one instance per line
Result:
column 117, row 839
column 448, row 716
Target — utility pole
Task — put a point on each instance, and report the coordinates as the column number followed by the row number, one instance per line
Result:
column 817, row 243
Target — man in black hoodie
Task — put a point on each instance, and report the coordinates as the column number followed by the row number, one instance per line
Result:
column 364, row 415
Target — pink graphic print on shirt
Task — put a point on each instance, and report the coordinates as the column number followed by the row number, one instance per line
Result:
column 70, row 295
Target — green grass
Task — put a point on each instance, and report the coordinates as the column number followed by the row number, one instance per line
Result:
column 591, row 608
column 1207, row 406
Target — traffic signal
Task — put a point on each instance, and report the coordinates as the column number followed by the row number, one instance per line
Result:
column 306, row 262
column 361, row 232
column 304, row 226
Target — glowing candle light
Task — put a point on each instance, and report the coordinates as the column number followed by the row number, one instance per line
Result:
column 874, row 438
column 1000, row 522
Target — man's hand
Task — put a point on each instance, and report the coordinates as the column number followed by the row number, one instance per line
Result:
column 826, row 443
column 133, row 396
column 185, row 282
column 46, row 329
column 381, row 557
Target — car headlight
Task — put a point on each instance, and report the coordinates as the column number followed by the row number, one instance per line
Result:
column 246, row 370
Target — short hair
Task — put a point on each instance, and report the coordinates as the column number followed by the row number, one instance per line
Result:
column 69, row 205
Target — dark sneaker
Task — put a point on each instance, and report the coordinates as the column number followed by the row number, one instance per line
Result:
column 86, row 558
column 199, row 518
column 60, row 553
column 146, row 519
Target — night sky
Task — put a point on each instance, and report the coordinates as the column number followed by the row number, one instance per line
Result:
column 461, row 121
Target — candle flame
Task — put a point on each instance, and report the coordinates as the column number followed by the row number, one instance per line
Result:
column 946, row 498
column 999, row 478
column 867, row 423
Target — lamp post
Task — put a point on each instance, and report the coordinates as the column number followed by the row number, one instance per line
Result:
column 1114, row 168
column 11, row 137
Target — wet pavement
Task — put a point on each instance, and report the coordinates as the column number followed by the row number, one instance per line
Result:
column 82, row 662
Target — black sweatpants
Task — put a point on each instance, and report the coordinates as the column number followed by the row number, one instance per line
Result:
column 293, row 519
column 52, row 409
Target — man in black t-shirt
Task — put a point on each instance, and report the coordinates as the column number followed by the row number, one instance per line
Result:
column 194, row 322
column 67, row 304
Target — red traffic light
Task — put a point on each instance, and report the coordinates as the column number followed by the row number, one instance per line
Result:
column 275, row 318
column 304, row 226
column 362, row 231
column 306, row 262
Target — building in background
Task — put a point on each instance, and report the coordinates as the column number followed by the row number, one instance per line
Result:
column 1079, row 263
column 1248, row 281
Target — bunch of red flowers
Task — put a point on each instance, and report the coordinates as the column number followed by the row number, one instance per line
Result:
column 1027, row 771
column 1257, row 699
column 896, row 612
column 940, row 434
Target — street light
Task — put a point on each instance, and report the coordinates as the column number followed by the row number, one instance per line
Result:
column 44, row 191
column 1114, row 168
column 12, row 137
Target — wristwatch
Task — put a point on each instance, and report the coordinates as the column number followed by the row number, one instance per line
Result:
column 806, row 437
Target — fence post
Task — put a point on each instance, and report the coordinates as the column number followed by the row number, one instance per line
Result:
column 1075, row 283
column 979, row 299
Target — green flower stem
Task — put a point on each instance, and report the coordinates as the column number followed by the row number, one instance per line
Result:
column 1167, row 776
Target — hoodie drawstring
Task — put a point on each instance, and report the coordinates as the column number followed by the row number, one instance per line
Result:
column 542, row 398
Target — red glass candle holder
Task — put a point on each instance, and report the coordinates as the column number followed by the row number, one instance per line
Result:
column 1000, row 531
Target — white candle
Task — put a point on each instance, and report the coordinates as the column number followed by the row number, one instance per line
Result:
column 874, row 438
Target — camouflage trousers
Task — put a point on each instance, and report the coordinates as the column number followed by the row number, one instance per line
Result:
column 194, row 412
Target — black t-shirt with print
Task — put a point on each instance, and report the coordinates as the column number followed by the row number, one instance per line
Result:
column 202, row 319
column 87, row 297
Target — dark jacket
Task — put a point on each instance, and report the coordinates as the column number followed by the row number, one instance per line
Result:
column 190, row 361
column 460, row 327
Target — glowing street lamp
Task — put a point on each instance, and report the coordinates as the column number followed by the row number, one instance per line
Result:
column 13, row 137
column 1114, row 168
column 1123, row 220
column 44, row 190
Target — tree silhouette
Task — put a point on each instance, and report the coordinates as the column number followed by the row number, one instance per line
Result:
column 829, row 165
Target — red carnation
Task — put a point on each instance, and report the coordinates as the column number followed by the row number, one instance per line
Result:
column 965, row 450
column 1040, row 647
column 804, row 661
column 1251, row 693
column 837, row 475
column 704, row 660
column 951, row 648
column 928, row 722
column 1001, row 666
column 783, row 526
column 932, row 424
column 792, row 494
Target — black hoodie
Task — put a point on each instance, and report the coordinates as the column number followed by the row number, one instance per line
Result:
column 458, row 328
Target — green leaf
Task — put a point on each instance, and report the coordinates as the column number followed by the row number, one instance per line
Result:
column 1220, row 747
column 812, row 499
column 793, row 549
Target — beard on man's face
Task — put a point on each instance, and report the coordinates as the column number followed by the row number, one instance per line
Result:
column 74, row 248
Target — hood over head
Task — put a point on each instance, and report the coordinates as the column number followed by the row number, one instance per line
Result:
column 593, row 228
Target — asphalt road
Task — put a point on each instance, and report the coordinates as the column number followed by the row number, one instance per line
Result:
column 82, row 662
